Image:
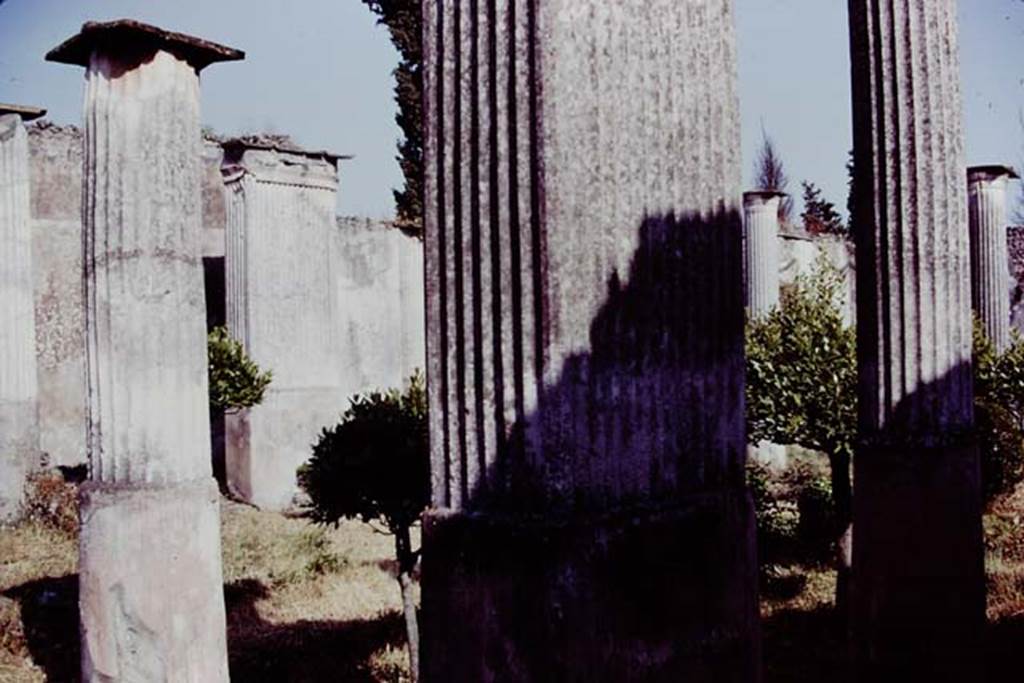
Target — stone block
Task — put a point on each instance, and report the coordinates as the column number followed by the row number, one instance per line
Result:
column 150, row 593
column 644, row 596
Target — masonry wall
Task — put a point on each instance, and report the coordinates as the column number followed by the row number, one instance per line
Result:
column 56, row 189
column 379, row 274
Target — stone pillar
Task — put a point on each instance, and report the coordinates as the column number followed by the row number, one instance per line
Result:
column 589, row 515
column 918, row 571
column 761, row 253
column 150, row 590
column 281, row 306
column 990, row 270
column 19, row 409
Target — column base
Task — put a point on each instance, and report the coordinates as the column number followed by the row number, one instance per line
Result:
column 918, row 564
column 150, row 586
column 666, row 595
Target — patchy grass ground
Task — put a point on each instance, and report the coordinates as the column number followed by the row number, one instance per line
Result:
column 310, row 604
column 303, row 603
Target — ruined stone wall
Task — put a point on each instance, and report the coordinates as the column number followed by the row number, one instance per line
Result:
column 379, row 274
column 56, row 189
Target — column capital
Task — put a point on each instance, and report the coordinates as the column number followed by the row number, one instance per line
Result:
column 25, row 112
column 990, row 172
column 128, row 36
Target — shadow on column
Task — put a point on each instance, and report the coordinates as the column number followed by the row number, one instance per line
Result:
column 611, row 538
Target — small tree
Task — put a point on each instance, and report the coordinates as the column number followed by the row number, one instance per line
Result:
column 770, row 175
column 802, row 389
column 374, row 466
column 999, row 413
column 235, row 380
column 820, row 215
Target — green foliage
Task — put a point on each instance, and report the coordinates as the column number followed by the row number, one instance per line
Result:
column 817, row 509
column 777, row 517
column 374, row 465
column 235, row 380
column 999, row 412
column 404, row 20
column 802, row 368
column 820, row 216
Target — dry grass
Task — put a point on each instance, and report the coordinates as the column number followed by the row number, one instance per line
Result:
column 311, row 604
column 304, row 603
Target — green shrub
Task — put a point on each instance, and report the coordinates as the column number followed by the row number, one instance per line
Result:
column 375, row 466
column 817, row 527
column 235, row 380
column 999, row 413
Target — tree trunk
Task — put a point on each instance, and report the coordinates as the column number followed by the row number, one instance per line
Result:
column 842, row 495
column 406, row 564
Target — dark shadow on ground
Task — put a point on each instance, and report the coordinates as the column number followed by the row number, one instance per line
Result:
column 803, row 646
column 49, row 615
column 303, row 651
column 1003, row 658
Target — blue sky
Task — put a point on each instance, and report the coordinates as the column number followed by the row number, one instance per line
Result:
column 320, row 71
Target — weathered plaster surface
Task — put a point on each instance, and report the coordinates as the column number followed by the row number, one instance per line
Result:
column 918, row 562
column 281, row 303
column 151, row 596
column 761, row 251
column 379, row 274
column 990, row 273
column 56, row 164
column 19, row 423
column 585, row 342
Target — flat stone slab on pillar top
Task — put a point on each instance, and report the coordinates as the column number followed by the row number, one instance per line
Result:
column 117, row 35
column 26, row 113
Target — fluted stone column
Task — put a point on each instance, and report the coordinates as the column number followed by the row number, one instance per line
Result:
column 990, row 269
column 150, row 590
column 589, row 516
column 918, row 569
column 281, row 305
column 761, row 226
column 19, row 410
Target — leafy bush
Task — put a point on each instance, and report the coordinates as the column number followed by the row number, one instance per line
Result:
column 375, row 466
column 999, row 413
column 817, row 524
column 802, row 389
column 235, row 380
column 777, row 518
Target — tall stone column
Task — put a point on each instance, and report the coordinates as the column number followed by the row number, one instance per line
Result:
column 761, row 253
column 990, row 268
column 589, row 515
column 281, row 305
column 19, row 410
column 918, row 571
column 150, row 592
